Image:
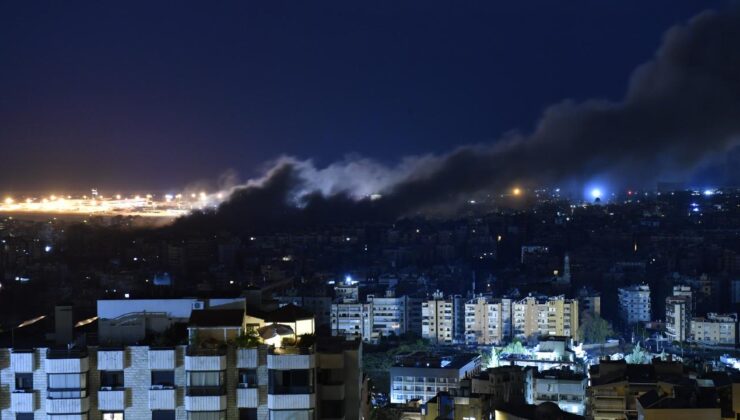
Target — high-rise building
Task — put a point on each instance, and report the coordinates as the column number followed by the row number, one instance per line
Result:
column 678, row 313
column 487, row 321
column 274, row 372
column 542, row 315
column 438, row 319
column 389, row 315
column 634, row 304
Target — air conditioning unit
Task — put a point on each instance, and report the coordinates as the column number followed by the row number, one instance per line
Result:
column 198, row 305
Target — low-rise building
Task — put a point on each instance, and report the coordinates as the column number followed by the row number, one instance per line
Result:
column 564, row 387
column 715, row 329
column 421, row 376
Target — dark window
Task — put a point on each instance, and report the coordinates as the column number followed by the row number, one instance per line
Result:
column 332, row 409
column 24, row 381
column 298, row 381
column 247, row 414
column 163, row 378
column 247, row 378
column 112, row 379
column 206, row 383
column 163, row 415
column 24, row 416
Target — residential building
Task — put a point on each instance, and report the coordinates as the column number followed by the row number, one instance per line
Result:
column 389, row 314
column 438, row 319
column 589, row 301
column 543, row 316
column 487, row 321
column 634, row 304
column 421, row 376
column 280, row 374
column 352, row 319
column 715, row 329
column 564, row 387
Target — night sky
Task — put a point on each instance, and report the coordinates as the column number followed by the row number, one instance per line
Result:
column 156, row 95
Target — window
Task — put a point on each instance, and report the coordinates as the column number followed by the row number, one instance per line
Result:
column 24, row 416
column 163, row 415
column 297, row 381
column 24, row 381
column 247, row 378
column 67, row 385
column 113, row 416
column 247, row 414
column 163, row 378
column 111, row 379
column 206, row 383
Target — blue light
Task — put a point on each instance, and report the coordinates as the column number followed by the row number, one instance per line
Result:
column 695, row 209
column 708, row 192
column 596, row 193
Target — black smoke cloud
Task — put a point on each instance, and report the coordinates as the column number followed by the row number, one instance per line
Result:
column 681, row 108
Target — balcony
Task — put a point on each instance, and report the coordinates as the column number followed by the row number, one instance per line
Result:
column 247, row 397
column 332, row 392
column 23, row 401
column 111, row 399
column 205, row 359
column 161, row 359
column 288, row 358
column 205, row 402
column 67, row 405
column 161, row 398
column 247, row 358
column 111, row 359
column 291, row 402
column 67, row 361
column 22, row 361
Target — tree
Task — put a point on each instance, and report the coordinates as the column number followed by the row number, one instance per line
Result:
column 594, row 329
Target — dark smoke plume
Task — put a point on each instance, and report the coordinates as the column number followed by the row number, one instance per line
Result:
column 681, row 108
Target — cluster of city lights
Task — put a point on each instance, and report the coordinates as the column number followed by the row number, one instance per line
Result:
column 148, row 205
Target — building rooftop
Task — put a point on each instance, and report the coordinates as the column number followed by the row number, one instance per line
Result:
column 426, row 360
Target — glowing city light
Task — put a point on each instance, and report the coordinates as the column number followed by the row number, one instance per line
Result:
column 517, row 191
column 596, row 193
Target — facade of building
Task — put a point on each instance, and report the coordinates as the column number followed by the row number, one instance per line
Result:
column 420, row 377
column 634, row 304
column 352, row 319
column 589, row 301
column 438, row 319
column 677, row 316
column 563, row 387
column 545, row 316
column 274, row 369
column 487, row 321
column 390, row 315
column 715, row 329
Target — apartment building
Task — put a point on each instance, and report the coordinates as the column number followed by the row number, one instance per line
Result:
column 279, row 371
column 545, row 316
column 563, row 387
column 443, row 319
column 390, row 315
column 487, row 321
column 421, row 376
column 715, row 329
column 634, row 304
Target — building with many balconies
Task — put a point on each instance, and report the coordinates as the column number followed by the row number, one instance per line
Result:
column 279, row 370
